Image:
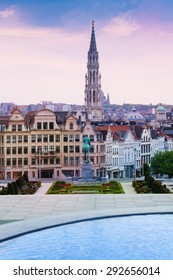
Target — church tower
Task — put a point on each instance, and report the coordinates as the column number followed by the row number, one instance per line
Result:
column 93, row 92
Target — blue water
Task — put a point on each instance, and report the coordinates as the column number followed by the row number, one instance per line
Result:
column 130, row 238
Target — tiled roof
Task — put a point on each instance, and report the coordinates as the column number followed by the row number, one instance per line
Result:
column 118, row 131
column 29, row 118
column 4, row 120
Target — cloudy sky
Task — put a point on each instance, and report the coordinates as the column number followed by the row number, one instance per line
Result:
column 44, row 45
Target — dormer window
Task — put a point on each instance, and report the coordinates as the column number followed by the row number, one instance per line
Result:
column 71, row 126
column 13, row 127
column 19, row 127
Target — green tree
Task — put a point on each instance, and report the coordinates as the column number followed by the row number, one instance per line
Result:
column 162, row 163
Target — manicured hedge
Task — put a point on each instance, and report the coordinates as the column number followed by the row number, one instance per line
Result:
column 20, row 186
column 150, row 185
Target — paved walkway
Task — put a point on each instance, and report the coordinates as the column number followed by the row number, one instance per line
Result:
column 38, row 210
column 38, row 205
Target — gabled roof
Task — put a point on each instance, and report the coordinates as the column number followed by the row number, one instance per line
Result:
column 118, row 131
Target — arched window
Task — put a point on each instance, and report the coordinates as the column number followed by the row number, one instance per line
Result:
column 94, row 96
column 94, row 77
column 90, row 76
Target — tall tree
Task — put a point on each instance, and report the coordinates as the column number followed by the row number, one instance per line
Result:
column 162, row 163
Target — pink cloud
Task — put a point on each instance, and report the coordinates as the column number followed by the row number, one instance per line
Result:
column 7, row 13
column 120, row 26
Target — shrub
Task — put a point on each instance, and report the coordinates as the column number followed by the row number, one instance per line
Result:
column 25, row 177
column 149, row 180
column 38, row 183
column 19, row 183
column 11, row 188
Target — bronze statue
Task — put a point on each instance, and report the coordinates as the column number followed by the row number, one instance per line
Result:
column 86, row 149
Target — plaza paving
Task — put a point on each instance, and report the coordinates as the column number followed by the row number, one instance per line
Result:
column 29, row 212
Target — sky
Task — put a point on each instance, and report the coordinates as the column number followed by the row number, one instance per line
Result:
column 44, row 45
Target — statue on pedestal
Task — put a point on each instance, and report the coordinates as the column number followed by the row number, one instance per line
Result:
column 86, row 149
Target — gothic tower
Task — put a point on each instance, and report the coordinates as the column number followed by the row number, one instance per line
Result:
column 93, row 92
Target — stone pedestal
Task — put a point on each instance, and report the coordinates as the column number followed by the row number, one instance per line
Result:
column 87, row 171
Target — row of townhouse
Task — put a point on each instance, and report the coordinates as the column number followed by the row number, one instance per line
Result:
column 41, row 146
column 129, row 147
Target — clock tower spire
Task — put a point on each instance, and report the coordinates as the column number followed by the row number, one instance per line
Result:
column 93, row 92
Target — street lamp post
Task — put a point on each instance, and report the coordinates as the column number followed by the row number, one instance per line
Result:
column 39, row 153
column 134, row 163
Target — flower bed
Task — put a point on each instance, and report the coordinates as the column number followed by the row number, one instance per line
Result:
column 112, row 187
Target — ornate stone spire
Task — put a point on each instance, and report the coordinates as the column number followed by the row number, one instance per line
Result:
column 93, row 47
column 93, row 91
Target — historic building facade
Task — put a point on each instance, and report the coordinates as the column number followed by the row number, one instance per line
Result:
column 38, row 145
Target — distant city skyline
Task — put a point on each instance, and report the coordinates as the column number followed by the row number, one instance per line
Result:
column 44, row 45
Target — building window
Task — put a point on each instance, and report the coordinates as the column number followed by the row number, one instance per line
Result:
column 8, row 150
column 39, row 125
column 57, row 138
column 14, row 150
column 71, row 126
column 25, row 161
column 77, row 160
column 25, row 138
column 19, row 150
column 19, row 161
column 13, row 127
column 71, row 149
column 51, row 160
column 45, row 149
column 91, row 149
column 45, row 125
column 19, row 138
column 25, row 150
column 39, row 138
column 8, row 139
column 33, row 161
column 77, row 138
column 51, row 138
column 33, row 138
column 72, row 161
column 45, row 161
column 51, row 125
column 45, row 138
column 102, row 148
column 66, row 161
column 13, row 161
column 8, row 161
column 57, row 160
column 71, row 138
column 51, row 149
column 77, row 149
column 33, row 150
column 57, row 149
column 65, row 138
column 19, row 127
column 91, row 138
column 65, row 149
column 13, row 138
